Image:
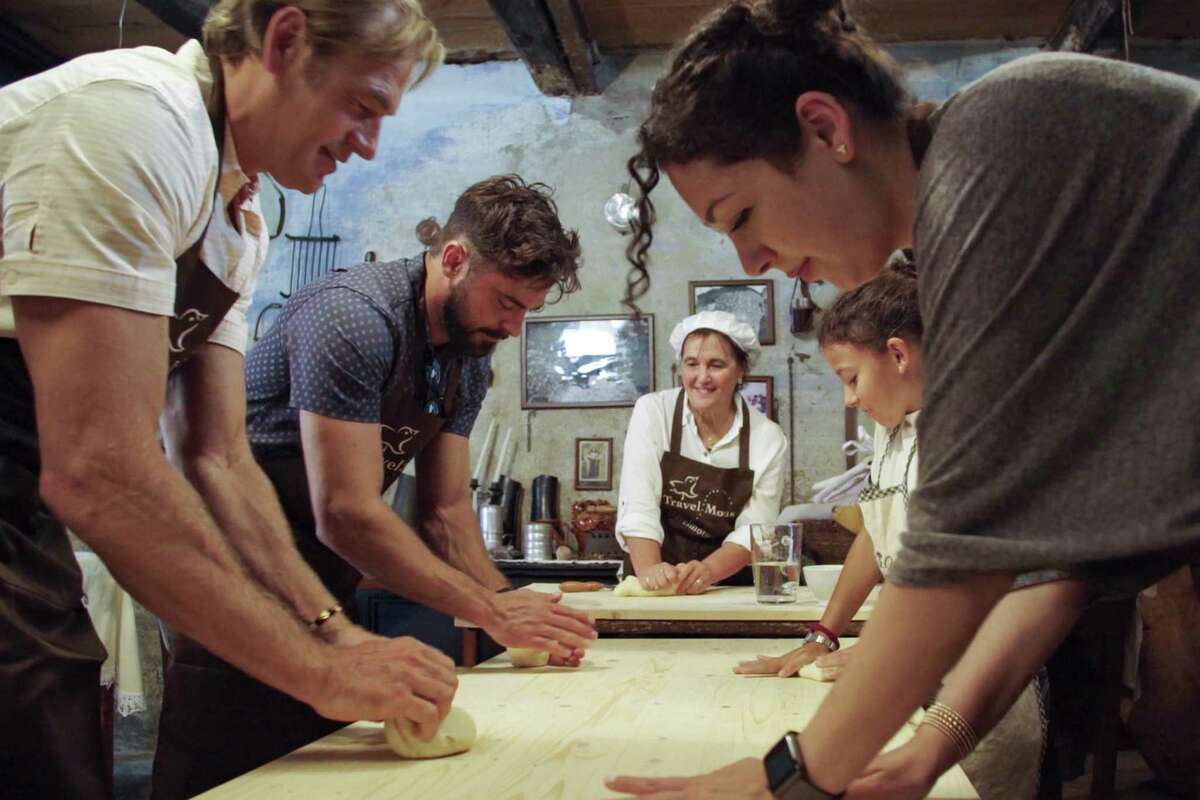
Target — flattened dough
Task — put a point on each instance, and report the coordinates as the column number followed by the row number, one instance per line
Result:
column 632, row 587
column 456, row 735
column 815, row 673
column 528, row 657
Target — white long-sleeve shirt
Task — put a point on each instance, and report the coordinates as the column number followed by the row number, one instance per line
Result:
column 649, row 436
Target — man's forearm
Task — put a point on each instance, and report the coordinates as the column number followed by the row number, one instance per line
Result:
column 458, row 537
column 378, row 543
column 245, row 506
column 157, row 538
column 913, row 638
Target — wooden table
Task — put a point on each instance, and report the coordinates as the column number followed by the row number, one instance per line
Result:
column 635, row 706
column 724, row 611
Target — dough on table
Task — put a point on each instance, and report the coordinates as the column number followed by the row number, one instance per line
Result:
column 815, row 673
column 632, row 587
column 528, row 657
column 456, row 735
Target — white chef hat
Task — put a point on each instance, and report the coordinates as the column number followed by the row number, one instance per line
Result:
column 741, row 334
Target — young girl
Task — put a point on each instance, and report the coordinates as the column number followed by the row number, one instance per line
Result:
column 871, row 337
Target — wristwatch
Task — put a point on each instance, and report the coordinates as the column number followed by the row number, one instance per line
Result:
column 786, row 776
column 820, row 638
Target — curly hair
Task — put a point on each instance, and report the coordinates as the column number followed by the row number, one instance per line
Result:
column 881, row 308
column 388, row 30
column 514, row 227
column 729, row 91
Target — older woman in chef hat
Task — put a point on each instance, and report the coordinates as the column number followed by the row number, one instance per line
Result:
column 700, row 464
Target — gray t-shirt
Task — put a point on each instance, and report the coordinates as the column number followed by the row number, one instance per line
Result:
column 1058, row 251
column 340, row 346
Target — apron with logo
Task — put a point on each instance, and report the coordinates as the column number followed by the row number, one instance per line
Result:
column 217, row 722
column 50, row 657
column 700, row 503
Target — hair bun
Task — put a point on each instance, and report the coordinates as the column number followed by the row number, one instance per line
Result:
column 801, row 14
column 902, row 262
column 429, row 232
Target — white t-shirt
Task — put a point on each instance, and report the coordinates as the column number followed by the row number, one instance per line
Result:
column 890, row 467
column 649, row 436
column 107, row 174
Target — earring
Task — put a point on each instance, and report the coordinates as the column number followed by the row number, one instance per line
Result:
column 841, row 149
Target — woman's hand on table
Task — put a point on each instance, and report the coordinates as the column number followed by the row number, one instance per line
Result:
column 785, row 666
column 539, row 621
column 658, row 576
column 835, row 663
column 906, row 773
column 741, row 780
column 694, row 577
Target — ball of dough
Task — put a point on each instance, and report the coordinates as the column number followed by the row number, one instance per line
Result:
column 456, row 735
column 815, row 673
column 632, row 587
column 528, row 657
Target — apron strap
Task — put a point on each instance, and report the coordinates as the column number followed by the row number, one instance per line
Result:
column 744, row 437
column 677, row 423
column 452, row 388
column 907, row 466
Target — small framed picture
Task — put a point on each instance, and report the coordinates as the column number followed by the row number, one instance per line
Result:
column 593, row 464
column 753, row 302
column 759, row 391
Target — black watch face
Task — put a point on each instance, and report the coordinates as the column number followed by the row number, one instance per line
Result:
column 780, row 765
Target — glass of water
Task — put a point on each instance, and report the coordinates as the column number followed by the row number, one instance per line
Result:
column 775, row 557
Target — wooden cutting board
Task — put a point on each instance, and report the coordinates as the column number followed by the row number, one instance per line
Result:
column 636, row 706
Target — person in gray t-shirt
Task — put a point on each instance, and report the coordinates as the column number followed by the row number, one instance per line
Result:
column 364, row 371
column 1052, row 210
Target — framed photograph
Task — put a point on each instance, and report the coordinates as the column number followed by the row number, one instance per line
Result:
column 759, row 391
column 753, row 302
column 586, row 362
column 593, row 464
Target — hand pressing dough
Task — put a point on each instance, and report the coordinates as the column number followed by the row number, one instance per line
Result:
column 632, row 587
column 815, row 673
column 528, row 657
column 456, row 735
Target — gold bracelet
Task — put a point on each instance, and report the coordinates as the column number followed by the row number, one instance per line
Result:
column 954, row 726
column 324, row 617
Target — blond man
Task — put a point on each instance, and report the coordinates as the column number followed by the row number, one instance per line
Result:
column 130, row 240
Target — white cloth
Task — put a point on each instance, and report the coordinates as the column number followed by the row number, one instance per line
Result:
column 886, row 519
column 649, row 436
column 107, row 172
column 741, row 334
column 111, row 610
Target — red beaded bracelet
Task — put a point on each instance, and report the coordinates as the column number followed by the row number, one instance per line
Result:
column 819, row 628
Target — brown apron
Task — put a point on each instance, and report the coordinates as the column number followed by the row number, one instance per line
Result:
column 50, row 740
column 217, row 722
column 700, row 503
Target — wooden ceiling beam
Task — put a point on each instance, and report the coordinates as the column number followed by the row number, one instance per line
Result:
column 534, row 31
column 185, row 16
column 1082, row 25
column 576, row 43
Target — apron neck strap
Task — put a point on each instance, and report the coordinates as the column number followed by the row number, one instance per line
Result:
column 744, row 437
column 452, row 377
column 677, row 422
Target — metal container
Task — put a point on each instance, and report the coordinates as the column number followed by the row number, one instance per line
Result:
column 538, row 542
column 491, row 523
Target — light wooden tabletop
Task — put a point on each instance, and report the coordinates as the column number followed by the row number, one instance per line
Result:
column 720, row 603
column 635, row 706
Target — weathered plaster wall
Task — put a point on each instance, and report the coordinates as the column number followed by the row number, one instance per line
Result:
column 468, row 122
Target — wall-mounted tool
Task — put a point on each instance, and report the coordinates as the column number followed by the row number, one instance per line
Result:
column 802, row 309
